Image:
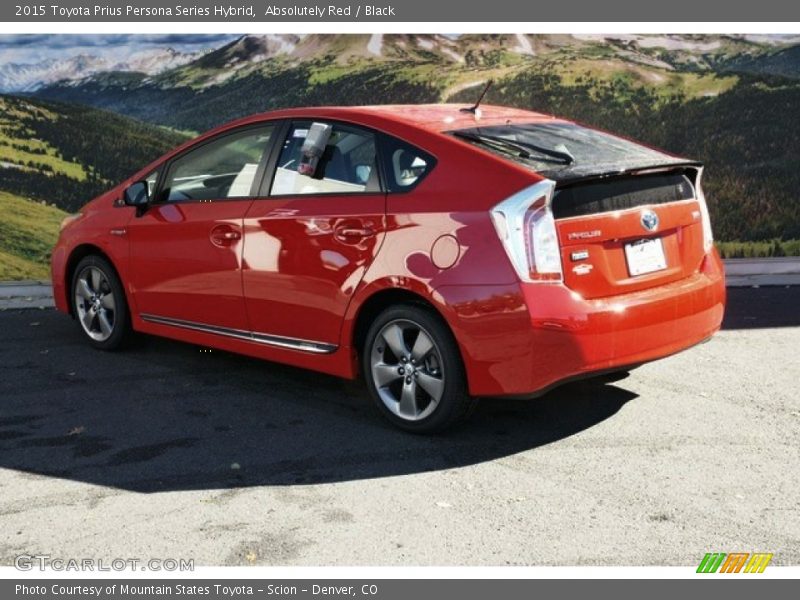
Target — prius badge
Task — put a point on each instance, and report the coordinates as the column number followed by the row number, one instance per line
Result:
column 584, row 235
column 649, row 220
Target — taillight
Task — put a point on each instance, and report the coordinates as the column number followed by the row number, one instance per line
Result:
column 708, row 235
column 527, row 229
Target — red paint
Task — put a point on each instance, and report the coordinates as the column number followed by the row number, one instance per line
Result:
column 304, row 257
column 302, row 267
column 680, row 233
column 181, row 265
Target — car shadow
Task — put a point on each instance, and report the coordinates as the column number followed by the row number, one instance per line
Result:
column 762, row 307
column 168, row 416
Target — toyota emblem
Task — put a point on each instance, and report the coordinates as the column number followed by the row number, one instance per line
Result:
column 649, row 220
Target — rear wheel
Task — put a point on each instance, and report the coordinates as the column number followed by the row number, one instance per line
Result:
column 99, row 303
column 413, row 370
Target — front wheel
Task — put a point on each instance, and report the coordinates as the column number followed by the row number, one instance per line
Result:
column 413, row 370
column 99, row 303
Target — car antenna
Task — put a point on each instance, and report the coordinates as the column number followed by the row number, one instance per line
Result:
column 474, row 108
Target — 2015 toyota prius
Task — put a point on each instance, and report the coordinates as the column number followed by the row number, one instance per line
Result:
column 445, row 254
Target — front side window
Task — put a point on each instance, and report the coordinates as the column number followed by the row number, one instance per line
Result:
column 223, row 168
column 321, row 158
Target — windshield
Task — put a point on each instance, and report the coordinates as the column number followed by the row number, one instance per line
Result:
column 562, row 151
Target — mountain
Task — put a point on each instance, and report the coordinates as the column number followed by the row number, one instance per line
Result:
column 785, row 62
column 28, row 231
column 64, row 155
column 28, row 77
column 258, row 53
column 88, row 122
column 53, row 158
column 748, row 137
column 728, row 100
column 260, row 72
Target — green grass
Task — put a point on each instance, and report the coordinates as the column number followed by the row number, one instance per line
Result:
column 766, row 249
column 18, row 147
column 23, row 156
column 664, row 83
column 327, row 72
column 28, row 231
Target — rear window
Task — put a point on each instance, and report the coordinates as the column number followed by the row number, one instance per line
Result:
column 563, row 151
column 621, row 192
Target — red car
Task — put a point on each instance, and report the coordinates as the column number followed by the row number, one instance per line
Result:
column 444, row 253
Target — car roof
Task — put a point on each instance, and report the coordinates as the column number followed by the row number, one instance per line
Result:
column 432, row 117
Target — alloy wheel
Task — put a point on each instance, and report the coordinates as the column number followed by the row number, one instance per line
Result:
column 94, row 303
column 407, row 369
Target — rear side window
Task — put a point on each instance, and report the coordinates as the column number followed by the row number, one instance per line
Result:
column 343, row 163
column 404, row 165
column 223, row 168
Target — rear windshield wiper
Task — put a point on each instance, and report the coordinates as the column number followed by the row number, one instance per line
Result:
column 522, row 149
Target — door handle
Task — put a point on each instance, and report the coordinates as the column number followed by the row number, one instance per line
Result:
column 350, row 234
column 224, row 235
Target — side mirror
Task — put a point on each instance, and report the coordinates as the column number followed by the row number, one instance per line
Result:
column 137, row 194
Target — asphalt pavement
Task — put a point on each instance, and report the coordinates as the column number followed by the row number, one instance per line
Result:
column 170, row 451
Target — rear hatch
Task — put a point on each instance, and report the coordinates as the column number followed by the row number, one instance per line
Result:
column 627, row 216
column 626, row 233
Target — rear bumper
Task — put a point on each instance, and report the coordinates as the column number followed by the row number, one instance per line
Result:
column 544, row 334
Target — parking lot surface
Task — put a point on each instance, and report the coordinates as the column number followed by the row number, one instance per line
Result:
column 169, row 451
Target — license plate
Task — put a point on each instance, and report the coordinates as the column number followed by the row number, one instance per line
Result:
column 645, row 256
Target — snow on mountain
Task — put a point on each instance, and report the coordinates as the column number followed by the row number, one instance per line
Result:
column 156, row 60
column 375, row 44
column 28, row 77
column 248, row 53
column 524, row 46
column 253, row 49
column 669, row 42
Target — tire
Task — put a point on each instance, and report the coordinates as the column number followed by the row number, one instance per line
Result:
column 405, row 346
column 99, row 304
